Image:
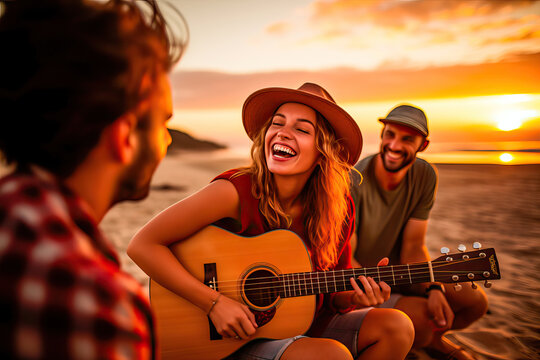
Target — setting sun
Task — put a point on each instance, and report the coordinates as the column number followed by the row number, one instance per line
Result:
column 512, row 119
column 506, row 157
column 508, row 124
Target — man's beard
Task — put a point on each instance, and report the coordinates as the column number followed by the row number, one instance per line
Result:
column 134, row 184
column 408, row 159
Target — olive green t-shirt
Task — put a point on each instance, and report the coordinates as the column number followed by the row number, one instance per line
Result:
column 382, row 215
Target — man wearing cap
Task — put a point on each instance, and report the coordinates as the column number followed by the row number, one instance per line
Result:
column 393, row 199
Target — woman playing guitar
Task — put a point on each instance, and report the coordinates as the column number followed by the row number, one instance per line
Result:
column 304, row 145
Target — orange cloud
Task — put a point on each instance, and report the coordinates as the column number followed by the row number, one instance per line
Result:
column 417, row 30
column 448, row 18
column 441, row 37
column 526, row 34
column 330, row 35
column 206, row 90
column 278, row 28
column 395, row 13
column 496, row 24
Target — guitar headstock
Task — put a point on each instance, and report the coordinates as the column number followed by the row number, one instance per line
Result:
column 476, row 265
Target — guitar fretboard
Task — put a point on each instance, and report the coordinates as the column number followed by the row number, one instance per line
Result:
column 312, row 283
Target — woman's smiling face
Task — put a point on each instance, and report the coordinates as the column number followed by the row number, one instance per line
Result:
column 290, row 140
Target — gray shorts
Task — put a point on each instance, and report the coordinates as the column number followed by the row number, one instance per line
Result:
column 343, row 328
column 263, row 349
column 391, row 303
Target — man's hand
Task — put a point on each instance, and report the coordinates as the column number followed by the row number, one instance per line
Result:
column 439, row 310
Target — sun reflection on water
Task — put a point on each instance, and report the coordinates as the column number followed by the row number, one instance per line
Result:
column 483, row 157
column 506, row 157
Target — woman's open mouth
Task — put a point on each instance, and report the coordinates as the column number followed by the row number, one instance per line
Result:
column 282, row 151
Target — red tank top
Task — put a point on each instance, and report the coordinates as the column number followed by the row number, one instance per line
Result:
column 253, row 223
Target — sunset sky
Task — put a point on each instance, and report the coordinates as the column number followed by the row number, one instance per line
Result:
column 473, row 66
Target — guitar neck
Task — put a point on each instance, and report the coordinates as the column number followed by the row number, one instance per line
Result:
column 313, row 283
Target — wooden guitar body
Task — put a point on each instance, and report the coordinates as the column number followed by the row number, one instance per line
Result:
column 184, row 330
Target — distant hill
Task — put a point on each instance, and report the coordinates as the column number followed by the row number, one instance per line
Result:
column 184, row 141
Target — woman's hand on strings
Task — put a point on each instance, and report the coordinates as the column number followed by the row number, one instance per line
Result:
column 373, row 293
column 232, row 319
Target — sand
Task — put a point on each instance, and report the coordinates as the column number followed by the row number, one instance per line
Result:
column 496, row 205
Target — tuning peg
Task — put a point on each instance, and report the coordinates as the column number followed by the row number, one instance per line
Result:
column 476, row 245
column 458, row 287
column 487, row 284
column 445, row 250
column 473, row 285
column 462, row 247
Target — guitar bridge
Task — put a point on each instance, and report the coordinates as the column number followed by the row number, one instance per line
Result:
column 210, row 280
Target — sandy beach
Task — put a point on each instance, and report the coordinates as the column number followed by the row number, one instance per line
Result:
column 496, row 205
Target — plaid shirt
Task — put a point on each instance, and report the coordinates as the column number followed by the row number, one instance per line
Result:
column 62, row 293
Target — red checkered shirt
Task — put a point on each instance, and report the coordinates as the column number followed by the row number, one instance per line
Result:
column 62, row 293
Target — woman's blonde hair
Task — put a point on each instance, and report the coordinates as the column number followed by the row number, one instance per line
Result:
column 324, row 195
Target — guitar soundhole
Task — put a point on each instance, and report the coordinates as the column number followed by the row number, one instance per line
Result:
column 260, row 288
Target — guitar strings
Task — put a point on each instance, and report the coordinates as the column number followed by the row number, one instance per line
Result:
column 375, row 270
column 315, row 285
column 292, row 277
column 272, row 293
column 299, row 282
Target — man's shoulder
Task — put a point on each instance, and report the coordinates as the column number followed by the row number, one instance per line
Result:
column 423, row 177
column 35, row 217
column 359, row 175
column 10, row 182
column 423, row 168
column 37, row 196
column 363, row 164
column 40, row 236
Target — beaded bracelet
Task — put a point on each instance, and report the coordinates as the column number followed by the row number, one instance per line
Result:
column 214, row 302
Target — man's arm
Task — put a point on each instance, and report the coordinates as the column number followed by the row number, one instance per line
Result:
column 354, row 243
column 413, row 247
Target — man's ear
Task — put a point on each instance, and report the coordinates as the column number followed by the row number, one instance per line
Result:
column 424, row 145
column 122, row 139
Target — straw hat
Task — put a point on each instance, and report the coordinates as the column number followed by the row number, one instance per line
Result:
column 262, row 104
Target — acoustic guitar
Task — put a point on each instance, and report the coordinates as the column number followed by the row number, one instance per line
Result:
column 272, row 274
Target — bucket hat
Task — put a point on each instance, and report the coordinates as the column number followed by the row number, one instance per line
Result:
column 408, row 115
column 262, row 104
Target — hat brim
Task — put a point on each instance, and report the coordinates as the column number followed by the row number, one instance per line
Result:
column 262, row 104
column 405, row 122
